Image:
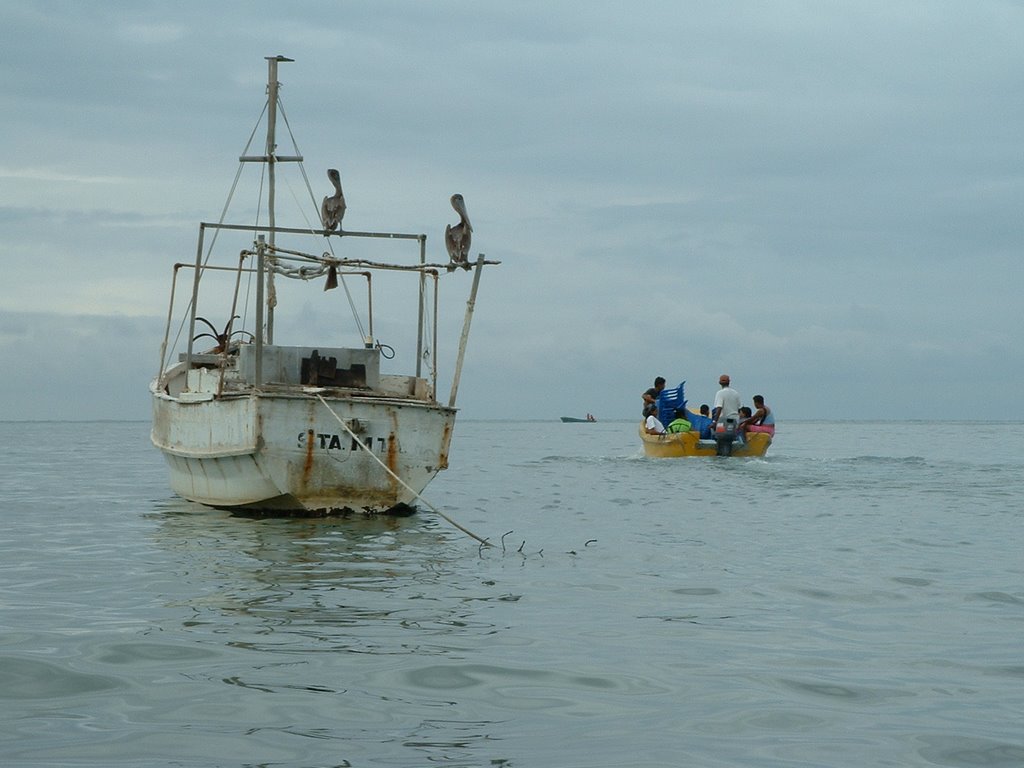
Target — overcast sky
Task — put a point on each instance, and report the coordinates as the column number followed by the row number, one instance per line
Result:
column 823, row 199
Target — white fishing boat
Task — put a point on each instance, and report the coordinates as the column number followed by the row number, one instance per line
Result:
column 248, row 423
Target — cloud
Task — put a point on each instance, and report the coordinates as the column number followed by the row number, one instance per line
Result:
column 147, row 34
column 76, row 367
column 52, row 175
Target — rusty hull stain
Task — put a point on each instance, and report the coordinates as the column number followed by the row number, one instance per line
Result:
column 446, row 439
column 307, row 463
column 392, row 456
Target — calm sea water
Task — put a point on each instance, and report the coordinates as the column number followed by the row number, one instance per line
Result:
column 854, row 599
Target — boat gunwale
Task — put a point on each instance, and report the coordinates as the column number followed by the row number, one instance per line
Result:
column 331, row 395
column 670, row 445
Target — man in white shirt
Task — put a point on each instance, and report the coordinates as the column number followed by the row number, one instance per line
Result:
column 727, row 404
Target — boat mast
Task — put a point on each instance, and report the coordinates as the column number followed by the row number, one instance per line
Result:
column 271, row 155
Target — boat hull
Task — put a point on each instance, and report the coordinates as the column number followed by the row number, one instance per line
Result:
column 686, row 444
column 292, row 454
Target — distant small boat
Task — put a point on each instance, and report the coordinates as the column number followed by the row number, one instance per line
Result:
column 574, row 420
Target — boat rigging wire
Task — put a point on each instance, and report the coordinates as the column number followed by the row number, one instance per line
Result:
column 483, row 542
column 223, row 215
column 312, row 198
column 259, row 197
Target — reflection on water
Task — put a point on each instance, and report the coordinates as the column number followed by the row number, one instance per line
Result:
column 319, row 584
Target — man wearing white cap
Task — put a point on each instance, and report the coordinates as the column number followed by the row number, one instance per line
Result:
column 727, row 404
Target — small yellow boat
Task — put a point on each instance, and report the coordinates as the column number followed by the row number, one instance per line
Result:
column 674, row 445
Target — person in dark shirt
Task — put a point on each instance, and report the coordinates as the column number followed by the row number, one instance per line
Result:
column 650, row 397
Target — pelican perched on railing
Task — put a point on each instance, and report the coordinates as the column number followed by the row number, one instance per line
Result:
column 458, row 237
column 332, row 210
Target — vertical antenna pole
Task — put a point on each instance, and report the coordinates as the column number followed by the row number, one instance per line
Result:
column 261, row 247
column 470, row 304
column 419, row 326
column 195, row 297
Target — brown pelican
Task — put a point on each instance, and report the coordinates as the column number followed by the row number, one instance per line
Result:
column 332, row 209
column 457, row 238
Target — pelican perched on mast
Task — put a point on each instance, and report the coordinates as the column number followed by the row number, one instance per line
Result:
column 458, row 237
column 332, row 209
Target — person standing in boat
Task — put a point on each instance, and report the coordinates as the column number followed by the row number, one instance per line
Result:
column 761, row 420
column 727, row 405
column 650, row 397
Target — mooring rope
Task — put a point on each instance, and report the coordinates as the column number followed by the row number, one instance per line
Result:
column 483, row 542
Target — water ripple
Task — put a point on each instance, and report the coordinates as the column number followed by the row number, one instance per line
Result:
column 22, row 678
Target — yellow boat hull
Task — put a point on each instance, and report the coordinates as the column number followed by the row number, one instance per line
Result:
column 680, row 444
